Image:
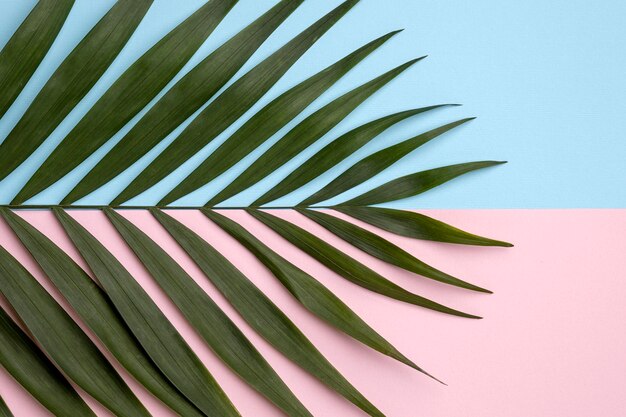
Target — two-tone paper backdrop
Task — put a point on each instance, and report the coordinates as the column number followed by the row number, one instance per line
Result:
column 548, row 82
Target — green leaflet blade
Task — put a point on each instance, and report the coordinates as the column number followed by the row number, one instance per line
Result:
column 269, row 120
column 139, row 84
column 418, row 183
column 417, row 226
column 376, row 163
column 347, row 267
column 96, row 310
column 229, row 106
column 21, row 56
column 183, row 99
column 61, row 338
column 259, row 311
column 314, row 296
column 382, row 249
column 29, row 366
column 155, row 333
column 220, row 333
column 306, row 133
column 82, row 68
column 335, row 152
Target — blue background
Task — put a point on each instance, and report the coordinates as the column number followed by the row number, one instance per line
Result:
column 547, row 80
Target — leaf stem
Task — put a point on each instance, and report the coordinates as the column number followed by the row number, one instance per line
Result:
column 100, row 207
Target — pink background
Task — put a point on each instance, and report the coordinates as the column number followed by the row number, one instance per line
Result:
column 552, row 342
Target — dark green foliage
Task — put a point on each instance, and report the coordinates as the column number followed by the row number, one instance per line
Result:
column 52, row 350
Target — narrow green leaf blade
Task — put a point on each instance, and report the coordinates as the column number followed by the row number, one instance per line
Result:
column 82, row 68
column 21, row 56
column 316, row 298
column 306, row 133
column 183, row 99
column 155, row 333
column 96, row 310
column 349, row 268
column 335, row 152
column 415, row 184
column 417, row 226
column 269, row 120
column 231, row 105
column 382, row 249
column 259, row 311
column 376, row 163
column 130, row 93
column 29, row 366
column 220, row 333
column 61, row 338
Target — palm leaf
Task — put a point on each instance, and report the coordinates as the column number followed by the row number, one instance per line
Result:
column 316, row 298
column 64, row 341
column 21, row 56
column 376, row 163
column 270, row 120
column 349, row 268
column 220, row 333
column 112, row 304
column 306, row 133
column 335, row 152
column 95, row 308
column 129, row 94
column 72, row 81
column 328, row 306
column 262, row 314
column 34, row 371
column 231, row 105
column 183, row 99
column 382, row 249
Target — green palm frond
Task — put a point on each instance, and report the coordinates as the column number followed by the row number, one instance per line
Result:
column 44, row 344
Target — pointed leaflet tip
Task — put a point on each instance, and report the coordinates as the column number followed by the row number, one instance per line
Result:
column 410, row 63
column 327, row 158
column 416, row 60
column 431, row 376
column 391, row 34
column 417, row 183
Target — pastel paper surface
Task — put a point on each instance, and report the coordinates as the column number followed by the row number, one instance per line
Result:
column 550, row 343
column 547, row 82
column 545, row 78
